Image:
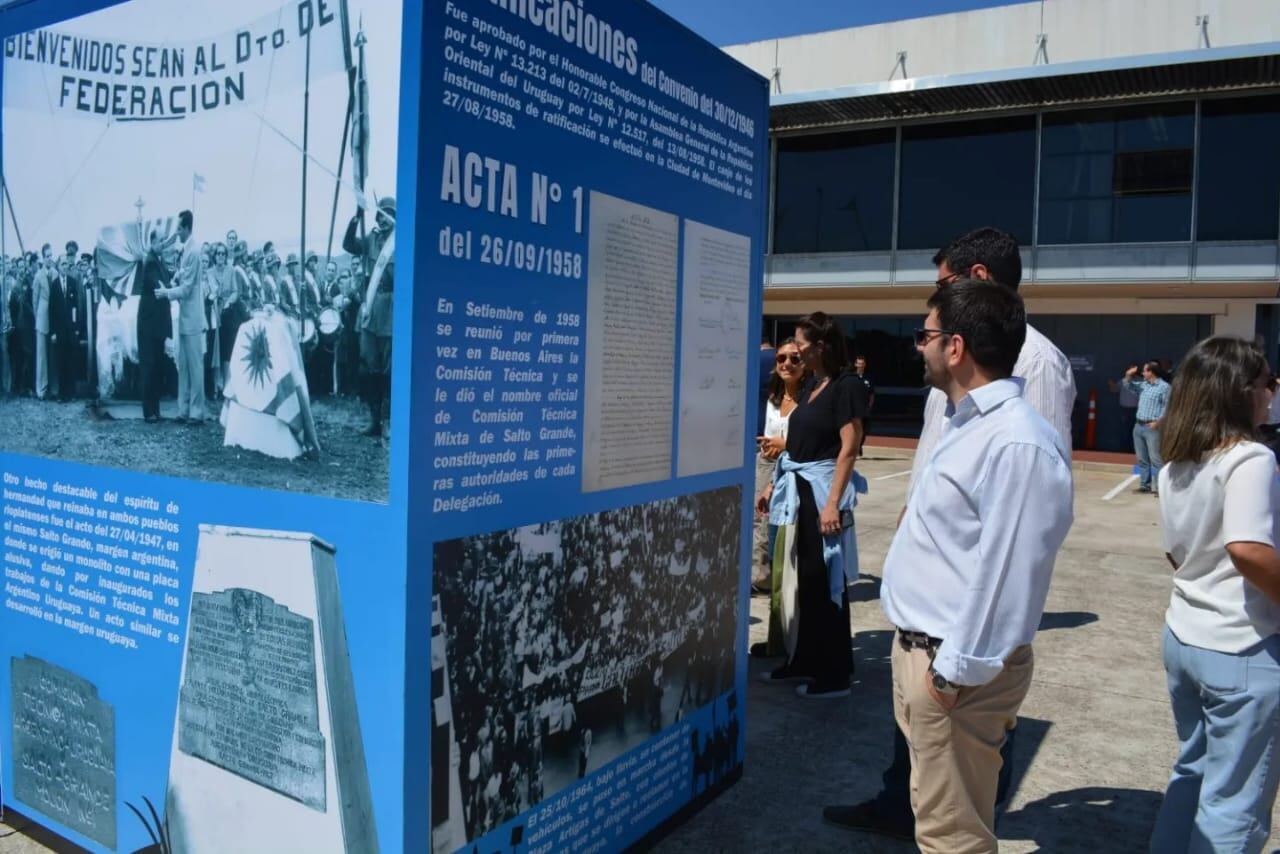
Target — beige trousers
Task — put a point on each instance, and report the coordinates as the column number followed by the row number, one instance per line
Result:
column 190, row 355
column 955, row 756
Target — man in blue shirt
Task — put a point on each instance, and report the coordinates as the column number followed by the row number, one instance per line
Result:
column 1153, row 397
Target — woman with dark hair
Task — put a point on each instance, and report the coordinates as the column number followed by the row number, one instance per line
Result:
column 811, row 500
column 1218, row 501
column 784, row 390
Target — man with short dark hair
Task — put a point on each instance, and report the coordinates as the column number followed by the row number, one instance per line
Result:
column 155, row 324
column 62, row 328
column 967, row 574
column 1153, row 398
column 860, row 368
column 992, row 249
column 990, row 254
column 986, row 254
column 329, row 283
column 42, row 299
column 78, row 306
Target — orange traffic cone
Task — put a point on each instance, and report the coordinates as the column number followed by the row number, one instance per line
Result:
column 1091, row 426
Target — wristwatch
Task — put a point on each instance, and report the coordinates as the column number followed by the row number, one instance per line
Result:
column 940, row 683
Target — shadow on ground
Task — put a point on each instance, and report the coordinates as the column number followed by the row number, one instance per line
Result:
column 1066, row 619
column 867, row 589
column 1088, row 819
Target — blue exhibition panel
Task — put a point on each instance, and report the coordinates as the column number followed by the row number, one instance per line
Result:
column 515, row 619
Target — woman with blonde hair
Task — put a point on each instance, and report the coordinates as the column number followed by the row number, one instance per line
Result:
column 1218, row 500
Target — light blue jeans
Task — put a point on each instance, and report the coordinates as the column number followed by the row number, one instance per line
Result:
column 1146, row 444
column 1227, row 712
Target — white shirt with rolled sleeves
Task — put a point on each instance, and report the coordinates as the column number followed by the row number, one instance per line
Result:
column 1050, row 389
column 971, row 561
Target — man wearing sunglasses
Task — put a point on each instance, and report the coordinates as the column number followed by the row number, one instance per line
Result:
column 986, row 254
column 967, row 574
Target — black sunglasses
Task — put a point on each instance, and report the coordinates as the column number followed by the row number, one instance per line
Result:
column 924, row 335
column 783, row 358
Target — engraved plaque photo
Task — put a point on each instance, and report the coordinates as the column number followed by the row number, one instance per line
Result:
column 64, row 747
column 248, row 702
column 267, row 753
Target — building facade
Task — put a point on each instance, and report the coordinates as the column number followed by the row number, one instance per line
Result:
column 1130, row 145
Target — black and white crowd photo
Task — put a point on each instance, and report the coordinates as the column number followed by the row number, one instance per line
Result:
column 571, row 642
column 197, row 260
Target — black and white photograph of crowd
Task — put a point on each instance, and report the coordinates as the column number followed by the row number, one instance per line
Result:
column 568, row 643
column 209, row 296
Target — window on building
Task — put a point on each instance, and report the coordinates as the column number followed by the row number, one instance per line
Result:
column 957, row 177
column 1239, row 177
column 1117, row 176
column 834, row 192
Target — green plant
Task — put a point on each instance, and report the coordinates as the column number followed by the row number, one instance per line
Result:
column 157, row 829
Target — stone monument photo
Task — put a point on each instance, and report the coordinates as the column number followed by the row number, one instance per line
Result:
column 267, row 751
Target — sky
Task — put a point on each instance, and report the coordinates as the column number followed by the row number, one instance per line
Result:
column 735, row 21
column 71, row 174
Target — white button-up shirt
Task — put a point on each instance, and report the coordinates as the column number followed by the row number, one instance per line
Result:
column 1050, row 389
column 971, row 562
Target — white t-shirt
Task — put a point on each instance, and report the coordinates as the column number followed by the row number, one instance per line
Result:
column 775, row 423
column 1228, row 497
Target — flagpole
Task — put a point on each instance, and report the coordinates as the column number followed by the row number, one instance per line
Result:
column 345, row 21
column 362, row 136
column 337, row 184
column 14, row 214
column 306, row 127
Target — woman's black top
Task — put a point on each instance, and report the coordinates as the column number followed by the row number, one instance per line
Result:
column 813, row 432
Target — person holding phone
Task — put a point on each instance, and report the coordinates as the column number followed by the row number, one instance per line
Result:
column 811, row 499
column 783, row 391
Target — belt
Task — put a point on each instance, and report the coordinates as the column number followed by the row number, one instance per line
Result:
column 1145, row 423
column 918, row 640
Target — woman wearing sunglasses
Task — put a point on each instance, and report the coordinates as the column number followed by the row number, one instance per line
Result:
column 811, row 500
column 784, row 390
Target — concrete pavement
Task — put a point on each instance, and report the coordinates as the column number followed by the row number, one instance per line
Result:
column 1095, row 740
